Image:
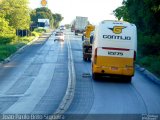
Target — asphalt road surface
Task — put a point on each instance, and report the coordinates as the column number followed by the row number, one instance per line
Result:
column 36, row 79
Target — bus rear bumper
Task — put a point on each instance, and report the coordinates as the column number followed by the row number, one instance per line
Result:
column 111, row 71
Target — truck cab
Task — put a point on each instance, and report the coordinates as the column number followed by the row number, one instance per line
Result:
column 87, row 44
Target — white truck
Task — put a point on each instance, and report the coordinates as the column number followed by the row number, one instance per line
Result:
column 80, row 24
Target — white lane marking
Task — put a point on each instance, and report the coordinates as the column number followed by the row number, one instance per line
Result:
column 67, row 99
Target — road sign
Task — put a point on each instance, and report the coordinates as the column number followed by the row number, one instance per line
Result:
column 45, row 21
column 44, row 3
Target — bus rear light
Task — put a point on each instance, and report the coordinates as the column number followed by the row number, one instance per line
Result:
column 134, row 55
column 95, row 56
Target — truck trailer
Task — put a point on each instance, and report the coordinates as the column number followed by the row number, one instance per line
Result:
column 80, row 24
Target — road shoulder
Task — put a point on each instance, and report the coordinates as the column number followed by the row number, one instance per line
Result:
column 148, row 74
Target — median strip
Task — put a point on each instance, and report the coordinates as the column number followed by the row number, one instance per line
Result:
column 67, row 99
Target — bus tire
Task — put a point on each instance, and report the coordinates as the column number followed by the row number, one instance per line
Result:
column 128, row 79
column 95, row 76
column 85, row 59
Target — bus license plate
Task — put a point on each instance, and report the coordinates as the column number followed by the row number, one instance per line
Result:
column 114, row 68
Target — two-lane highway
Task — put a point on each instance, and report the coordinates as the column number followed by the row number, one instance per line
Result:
column 36, row 80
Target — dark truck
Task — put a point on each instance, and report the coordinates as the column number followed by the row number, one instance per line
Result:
column 87, row 48
column 87, row 52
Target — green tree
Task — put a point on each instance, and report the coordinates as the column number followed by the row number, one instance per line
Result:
column 121, row 13
column 57, row 19
column 45, row 13
column 5, row 28
column 16, row 12
column 7, row 33
column 146, row 15
column 41, row 13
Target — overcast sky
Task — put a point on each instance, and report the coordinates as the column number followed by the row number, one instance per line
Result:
column 95, row 10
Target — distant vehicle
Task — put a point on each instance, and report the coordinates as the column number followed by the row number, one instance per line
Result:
column 62, row 28
column 73, row 28
column 80, row 24
column 57, row 30
column 114, row 50
column 59, row 36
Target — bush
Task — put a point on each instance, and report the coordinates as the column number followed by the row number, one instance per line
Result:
column 149, row 52
column 35, row 34
column 25, row 39
column 152, row 63
column 146, row 61
column 155, row 67
column 9, row 44
column 149, row 44
column 6, row 51
column 6, row 39
column 40, row 30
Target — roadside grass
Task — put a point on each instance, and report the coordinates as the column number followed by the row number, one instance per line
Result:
column 149, row 52
column 151, row 63
column 9, row 44
column 9, row 48
column 6, row 51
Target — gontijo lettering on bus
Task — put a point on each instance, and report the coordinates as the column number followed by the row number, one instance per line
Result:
column 117, row 30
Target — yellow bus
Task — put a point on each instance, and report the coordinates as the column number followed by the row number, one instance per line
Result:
column 114, row 49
